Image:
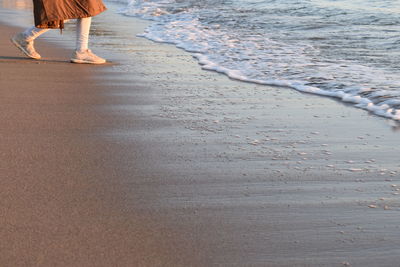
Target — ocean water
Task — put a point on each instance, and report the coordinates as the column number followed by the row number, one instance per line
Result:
column 347, row 49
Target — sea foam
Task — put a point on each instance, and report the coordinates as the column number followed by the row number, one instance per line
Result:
column 259, row 57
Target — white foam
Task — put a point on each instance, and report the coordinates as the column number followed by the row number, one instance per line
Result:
column 258, row 59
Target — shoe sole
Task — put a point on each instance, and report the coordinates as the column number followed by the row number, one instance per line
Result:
column 79, row 61
column 23, row 50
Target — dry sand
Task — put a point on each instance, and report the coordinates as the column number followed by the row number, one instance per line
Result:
column 149, row 161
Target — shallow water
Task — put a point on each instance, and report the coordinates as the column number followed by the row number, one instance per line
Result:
column 344, row 49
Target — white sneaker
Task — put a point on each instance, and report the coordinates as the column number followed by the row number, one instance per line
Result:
column 25, row 46
column 86, row 57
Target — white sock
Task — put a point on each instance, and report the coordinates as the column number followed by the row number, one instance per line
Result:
column 82, row 33
column 32, row 33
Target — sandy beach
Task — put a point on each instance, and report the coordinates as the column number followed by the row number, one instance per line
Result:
column 151, row 161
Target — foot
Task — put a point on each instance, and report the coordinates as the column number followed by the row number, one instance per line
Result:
column 86, row 57
column 25, row 46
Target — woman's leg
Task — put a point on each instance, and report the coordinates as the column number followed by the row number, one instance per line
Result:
column 32, row 33
column 24, row 41
column 82, row 34
column 82, row 52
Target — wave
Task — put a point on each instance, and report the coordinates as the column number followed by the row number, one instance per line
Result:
column 259, row 57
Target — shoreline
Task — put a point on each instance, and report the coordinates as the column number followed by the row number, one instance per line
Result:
column 199, row 169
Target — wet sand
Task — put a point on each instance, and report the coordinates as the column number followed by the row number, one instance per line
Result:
column 63, row 199
column 149, row 161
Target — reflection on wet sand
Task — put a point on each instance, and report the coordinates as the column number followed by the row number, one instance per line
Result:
column 17, row 4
